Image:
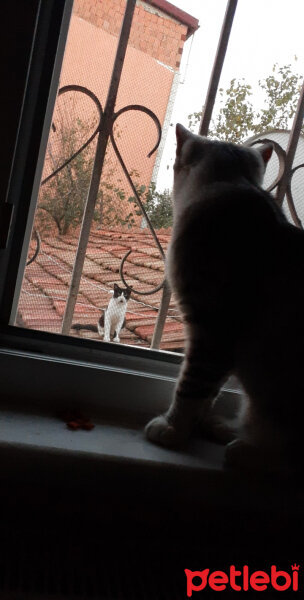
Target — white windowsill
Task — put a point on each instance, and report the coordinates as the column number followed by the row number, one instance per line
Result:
column 104, row 442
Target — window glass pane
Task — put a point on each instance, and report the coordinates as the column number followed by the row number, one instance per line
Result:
column 149, row 78
column 166, row 70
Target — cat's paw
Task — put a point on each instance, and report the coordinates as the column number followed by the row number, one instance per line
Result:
column 159, row 431
column 116, row 339
column 106, row 338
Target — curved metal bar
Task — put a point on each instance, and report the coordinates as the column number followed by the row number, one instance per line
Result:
column 291, row 147
column 148, row 112
column 87, row 92
column 289, row 198
column 37, row 249
column 295, row 169
column 156, row 289
column 292, row 207
column 281, row 154
column 138, row 200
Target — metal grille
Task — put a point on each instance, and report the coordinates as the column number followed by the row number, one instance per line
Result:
column 101, row 136
column 102, row 155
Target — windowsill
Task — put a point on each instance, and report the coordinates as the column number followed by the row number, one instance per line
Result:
column 41, row 450
column 37, row 448
column 106, row 442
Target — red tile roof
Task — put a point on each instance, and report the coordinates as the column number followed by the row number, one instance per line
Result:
column 46, row 281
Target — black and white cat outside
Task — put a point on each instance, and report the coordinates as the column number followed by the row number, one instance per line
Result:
column 113, row 318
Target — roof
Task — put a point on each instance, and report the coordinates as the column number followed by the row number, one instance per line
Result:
column 45, row 286
column 180, row 15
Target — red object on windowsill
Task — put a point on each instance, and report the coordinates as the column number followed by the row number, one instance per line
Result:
column 75, row 420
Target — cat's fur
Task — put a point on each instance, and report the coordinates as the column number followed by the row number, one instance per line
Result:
column 112, row 319
column 237, row 268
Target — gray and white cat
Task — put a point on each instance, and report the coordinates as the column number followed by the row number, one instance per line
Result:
column 237, row 268
column 112, row 319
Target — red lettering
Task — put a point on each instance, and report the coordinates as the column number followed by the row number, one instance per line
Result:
column 245, row 578
column 218, row 580
column 295, row 580
column 191, row 587
column 259, row 581
column 274, row 577
column 233, row 575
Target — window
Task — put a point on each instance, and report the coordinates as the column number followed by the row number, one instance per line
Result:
column 90, row 238
column 32, row 306
column 69, row 361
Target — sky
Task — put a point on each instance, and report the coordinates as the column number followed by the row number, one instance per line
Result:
column 264, row 32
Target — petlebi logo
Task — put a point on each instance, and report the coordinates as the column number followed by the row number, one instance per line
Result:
column 243, row 579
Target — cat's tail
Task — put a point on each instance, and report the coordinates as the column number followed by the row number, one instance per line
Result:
column 89, row 327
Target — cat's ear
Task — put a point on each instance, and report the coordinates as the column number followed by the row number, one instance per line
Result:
column 182, row 134
column 266, row 151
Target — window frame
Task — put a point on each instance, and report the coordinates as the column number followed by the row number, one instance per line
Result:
column 20, row 348
column 49, row 36
column 46, row 370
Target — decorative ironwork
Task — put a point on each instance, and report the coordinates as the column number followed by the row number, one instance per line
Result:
column 285, row 171
column 289, row 198
column 37, row 238
column 105, row 131
column 134, row 190
column 203, row 130
column 281, row 154
column 136, row 107
column 90, row 94
column 101, row 147
column 283, row 186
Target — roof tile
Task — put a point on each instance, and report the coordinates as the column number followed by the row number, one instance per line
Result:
column 45, row 287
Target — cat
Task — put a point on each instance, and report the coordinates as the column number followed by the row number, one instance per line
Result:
column 112, row 319
column 237, row 268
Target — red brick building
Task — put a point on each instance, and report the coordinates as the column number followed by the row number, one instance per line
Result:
column 159, row 28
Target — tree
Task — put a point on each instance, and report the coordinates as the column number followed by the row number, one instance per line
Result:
column 62, row 198
column 158, row 206
column 238, row 119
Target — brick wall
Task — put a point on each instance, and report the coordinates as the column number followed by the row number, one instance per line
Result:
column 153, row 31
